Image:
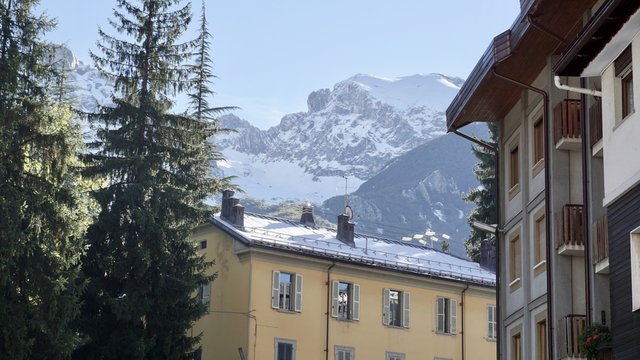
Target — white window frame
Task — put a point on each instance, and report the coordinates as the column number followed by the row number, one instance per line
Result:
column 446, row 316
column 295, row 292
column 404, row 302
column 204, row 295
column 285, row 341
column 344, row 350
column 353, row 301
column 394, row 356
column 492, row 323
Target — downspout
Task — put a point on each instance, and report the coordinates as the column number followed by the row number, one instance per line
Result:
column 496, row 166
column 547, row 205
column 462, row 317
column 326, row 339
column 580, row 90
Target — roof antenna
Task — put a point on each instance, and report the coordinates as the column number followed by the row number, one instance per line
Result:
column 346, row 193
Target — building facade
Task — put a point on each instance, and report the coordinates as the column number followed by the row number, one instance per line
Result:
column 292, row 290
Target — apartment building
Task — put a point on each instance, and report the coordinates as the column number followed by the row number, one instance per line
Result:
column 543, row 257
column 294, row 290
column 605, row 57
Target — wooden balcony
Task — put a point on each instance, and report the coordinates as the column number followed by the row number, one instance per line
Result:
column 571, row 327
column 600, row 240
column 566, row 125
column 595, row 128
column 570, row 240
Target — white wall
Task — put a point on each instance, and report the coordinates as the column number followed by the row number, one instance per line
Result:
column 621, row 142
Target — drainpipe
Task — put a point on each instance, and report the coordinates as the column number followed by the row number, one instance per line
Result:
column 326, row 339
column 586, row 151
column 547, row 205
column 586, row 184
column 580, row 90
column 496, row 167
column 462, row 310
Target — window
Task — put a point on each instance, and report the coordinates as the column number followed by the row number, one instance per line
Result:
column 623, row 71
column 394, row 356
column 516, row 347
column 197, row 355
column 202, row 245
column 395, row 308
column 285, row 349
column 446, row 315
column 514, row 260
column 286, row 291
column 539, row 242
column 538, row 141
column 635, row 269
column 204, row 294
column 514, row 169
column 344, row 353
column 492, row 331
column 345, row 300
column 541, row 341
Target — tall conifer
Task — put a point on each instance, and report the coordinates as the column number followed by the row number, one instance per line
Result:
column 42, row 209
column 484, row 196
column 141, row 268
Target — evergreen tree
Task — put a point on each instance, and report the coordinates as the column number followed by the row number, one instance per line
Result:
column 484, row 196
column 42, row 208
column 142, row 270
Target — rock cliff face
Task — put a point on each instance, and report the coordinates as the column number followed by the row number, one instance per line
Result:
column 352, row 130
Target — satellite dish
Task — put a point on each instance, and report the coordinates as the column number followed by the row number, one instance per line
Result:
column 349, row 212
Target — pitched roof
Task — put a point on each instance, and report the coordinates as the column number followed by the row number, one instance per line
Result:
column 291, row 236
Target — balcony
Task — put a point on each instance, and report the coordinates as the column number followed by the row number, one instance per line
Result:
column 595, row 128
column 570, row 241
column 566, row 125
column 571, row 327
column 600, row 242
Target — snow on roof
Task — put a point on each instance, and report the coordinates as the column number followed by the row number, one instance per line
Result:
column 289, row 235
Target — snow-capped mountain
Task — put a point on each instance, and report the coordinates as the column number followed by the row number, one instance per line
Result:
column 352, row 130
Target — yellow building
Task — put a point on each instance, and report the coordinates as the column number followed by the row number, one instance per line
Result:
column 290, row 290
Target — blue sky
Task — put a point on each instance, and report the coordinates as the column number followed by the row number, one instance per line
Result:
column 270, row 54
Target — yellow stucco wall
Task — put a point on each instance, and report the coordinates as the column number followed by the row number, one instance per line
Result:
column 250, row 289
column 225, row 328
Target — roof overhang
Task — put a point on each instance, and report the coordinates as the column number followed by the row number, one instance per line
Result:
column 603, row 38
column 484, row 96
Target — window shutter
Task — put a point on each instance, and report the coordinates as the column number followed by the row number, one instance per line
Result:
column 490, row 322
column 386, row 311
column 335, row 298
column 453, row 316
column 355, row 303
column 206, row 294
column 275, row 290
column 406, row 309
column 298, row 290
column 440, row 314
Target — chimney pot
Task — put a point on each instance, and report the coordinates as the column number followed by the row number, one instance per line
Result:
column 307, row 215
column 345, row 230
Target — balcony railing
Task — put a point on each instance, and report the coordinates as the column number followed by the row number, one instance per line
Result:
column 600, row 240
column 571, row 238
column 600, row 245
column 566, row 125
column 595, row 122
column 571, row 327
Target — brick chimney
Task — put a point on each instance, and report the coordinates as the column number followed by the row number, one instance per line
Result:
column 345, row 230
column 488, row 255
column 231, row 210
column 307, row 215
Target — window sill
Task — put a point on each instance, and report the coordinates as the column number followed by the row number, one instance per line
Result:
column 345, row 320
column 444, row 333
column 620, row 121
column 514, row 285
column 397, row 327
column 287, row 311
column 540, row 267
column 515, row 190
column 491, row 339
column 537, row 168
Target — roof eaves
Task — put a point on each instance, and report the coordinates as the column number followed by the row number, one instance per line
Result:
column 595, row 35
